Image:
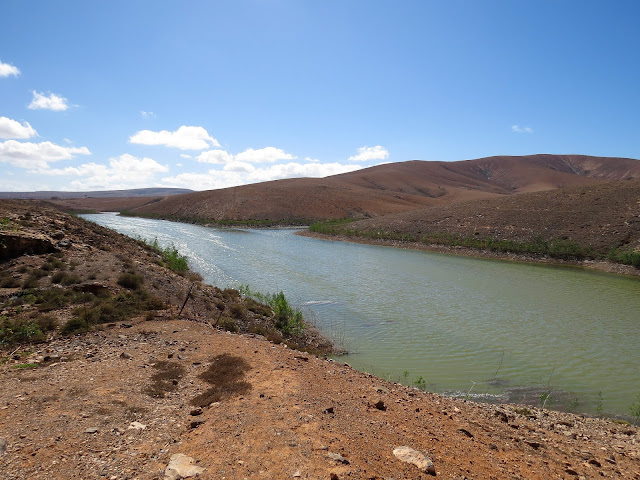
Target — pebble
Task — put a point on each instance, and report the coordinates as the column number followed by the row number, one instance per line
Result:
column 92, row 430
column 336, row 457
column 137, row 426
column 3, row 446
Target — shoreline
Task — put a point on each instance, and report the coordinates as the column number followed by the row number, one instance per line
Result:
column 601, row 266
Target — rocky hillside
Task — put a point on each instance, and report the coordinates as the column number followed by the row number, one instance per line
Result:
column 131, row 389
column 572, row 223
column 390, row 188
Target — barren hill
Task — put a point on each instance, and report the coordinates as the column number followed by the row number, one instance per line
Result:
column 596, row 218
column 391, row 188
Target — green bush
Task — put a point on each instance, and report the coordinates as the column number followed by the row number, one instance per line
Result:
column 19, row 331
column 130, row 280
column 74, row 325
column 287, row 319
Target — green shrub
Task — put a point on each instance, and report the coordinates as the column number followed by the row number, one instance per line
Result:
column 170, row 255
column 19, row 331
column 287, row 319
column 47, row 323
column 238, row 311
column 228, row 324
column 71, row 279
column 130, row 280
column 74, row 325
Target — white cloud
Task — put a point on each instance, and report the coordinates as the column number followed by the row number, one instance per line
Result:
column 184, row 138
column 519, row 129
column 263, row 155
column 215, row 156
column 147, row 114
column 36, row 155
column 242, row 167
column 309, row 159
column 184, row 155
column 125, row 171
column 13, row 129
column 7, row 70
column 370, row 153
column 52, row 102
column 295, row 170
column 239, row 173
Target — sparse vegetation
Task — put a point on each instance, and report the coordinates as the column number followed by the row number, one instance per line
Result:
column 130, row 280
column 171, row 258
column 634, row 409
column 15, row 331
column 165, row 380
column 287, row 319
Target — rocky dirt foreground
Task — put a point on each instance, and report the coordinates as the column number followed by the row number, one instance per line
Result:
column 91, row 409
column 157, row 397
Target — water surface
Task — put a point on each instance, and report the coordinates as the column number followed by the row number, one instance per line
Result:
column 473, row 326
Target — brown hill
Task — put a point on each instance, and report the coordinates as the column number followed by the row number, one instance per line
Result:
column 391, row 188
column 603, row 217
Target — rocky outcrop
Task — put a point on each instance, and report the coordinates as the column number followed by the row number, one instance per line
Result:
column 13, row 246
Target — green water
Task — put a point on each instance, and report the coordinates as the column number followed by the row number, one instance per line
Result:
column 485, row 329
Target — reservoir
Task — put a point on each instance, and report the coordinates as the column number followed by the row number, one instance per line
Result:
column 490, row 330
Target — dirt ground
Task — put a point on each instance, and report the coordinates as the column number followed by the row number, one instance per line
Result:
column 119, row 401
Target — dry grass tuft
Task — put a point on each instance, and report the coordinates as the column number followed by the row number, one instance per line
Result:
column 225, row 377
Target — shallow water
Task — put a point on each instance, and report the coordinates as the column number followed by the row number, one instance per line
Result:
column 472, row 326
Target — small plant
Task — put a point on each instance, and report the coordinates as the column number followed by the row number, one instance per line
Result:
column 26, row 365
column 634, row 409
column 19, row 331
column 228, row 324
column 225, row 377
column 170, row 255
column 130, row 280
column 599, row 404
column 165, row 380
column 420, row 383
column 287, row 319
column 74, row 325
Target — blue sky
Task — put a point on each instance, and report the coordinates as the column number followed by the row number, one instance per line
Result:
column 208, row 94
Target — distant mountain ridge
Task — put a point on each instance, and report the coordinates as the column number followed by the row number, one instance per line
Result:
column 135, row 192
column 392, row 188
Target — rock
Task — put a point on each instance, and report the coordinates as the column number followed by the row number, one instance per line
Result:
column 414, row 457
column 137, row 426
column 126, row 356
column 92, row 430
column 328, row 410
column 195, row 412
column 3, row 446
column 57, row 235
column 381, row 406
column 181, row 466
column 466, row 432
column 336, row 457
column 297, row 474
column 196, row 423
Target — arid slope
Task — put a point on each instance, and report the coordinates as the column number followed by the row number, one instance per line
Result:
column 602, row 216
column 391, row 188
